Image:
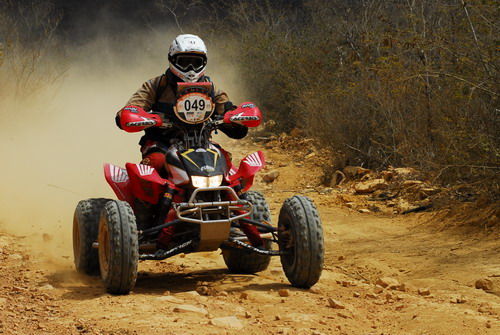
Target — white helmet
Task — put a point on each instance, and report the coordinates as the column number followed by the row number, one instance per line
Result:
column 188, row 57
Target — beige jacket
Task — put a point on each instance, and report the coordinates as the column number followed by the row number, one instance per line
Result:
column 145, row 96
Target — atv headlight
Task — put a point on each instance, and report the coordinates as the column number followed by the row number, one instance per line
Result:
column 202, row 181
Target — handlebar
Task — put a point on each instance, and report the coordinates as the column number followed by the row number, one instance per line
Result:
column 213, row 123
column 133, row 118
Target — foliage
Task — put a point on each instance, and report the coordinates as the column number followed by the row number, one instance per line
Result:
column 410, row 83
column 27, row 45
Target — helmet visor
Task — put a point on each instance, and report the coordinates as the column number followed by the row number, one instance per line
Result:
column 190, row 62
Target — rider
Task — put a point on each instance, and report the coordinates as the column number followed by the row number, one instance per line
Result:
column 188, row 59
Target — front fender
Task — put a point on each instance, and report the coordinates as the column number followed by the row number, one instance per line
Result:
column 249, row 166
column 119, row 181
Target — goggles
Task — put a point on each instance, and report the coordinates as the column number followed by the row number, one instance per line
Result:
column 187, row 62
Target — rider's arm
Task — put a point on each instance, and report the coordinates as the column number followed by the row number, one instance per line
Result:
column 223, row 105
column 144, row 97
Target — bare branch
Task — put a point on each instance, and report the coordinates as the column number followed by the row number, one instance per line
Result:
column 475, row 39
column 176, row 20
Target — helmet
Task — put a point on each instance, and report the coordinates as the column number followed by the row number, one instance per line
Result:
column 188, row 57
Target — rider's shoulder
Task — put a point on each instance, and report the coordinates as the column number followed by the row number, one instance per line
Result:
column 155, row 80
column 154, row 83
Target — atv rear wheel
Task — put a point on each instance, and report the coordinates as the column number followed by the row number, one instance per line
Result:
column 118, row 247
column 85, row 226
column 245, row 261
column 300, row 236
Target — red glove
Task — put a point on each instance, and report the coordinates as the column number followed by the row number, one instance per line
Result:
column 133, row 119
column 246, row 114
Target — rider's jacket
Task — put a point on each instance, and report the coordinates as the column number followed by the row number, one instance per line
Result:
column 159, row 95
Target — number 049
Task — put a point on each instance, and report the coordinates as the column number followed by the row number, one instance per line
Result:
column 195, row 104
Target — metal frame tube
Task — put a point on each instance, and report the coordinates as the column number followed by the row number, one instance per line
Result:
column 253, row 249
column 162, row 254
column 156, row 229
column 268, row 228
column 223, row 207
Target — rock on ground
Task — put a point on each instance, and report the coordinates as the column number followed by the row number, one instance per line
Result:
column 335, row 304
column 388, row 282
column 227, row 322
column 424, row 291
column 190, row 309
column 284, row 293
column 270, row 177
column 355, row 171
column 370, row 186
column 484, row 284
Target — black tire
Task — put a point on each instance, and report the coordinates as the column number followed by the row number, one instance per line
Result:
column 118, row 247
column 85, row 227
column 261, row 210
column 246, row 261
column 300, row 236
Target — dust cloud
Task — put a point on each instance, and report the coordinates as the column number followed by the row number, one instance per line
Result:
column 53, row 145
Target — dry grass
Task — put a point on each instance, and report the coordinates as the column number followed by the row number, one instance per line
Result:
column 388, row 83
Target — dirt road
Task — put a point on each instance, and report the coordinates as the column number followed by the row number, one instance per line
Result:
column 42, row 294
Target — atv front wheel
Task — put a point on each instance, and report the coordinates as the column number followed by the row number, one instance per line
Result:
column 300, row 236
column 118, row 247
column 85, row 226
column 242, row 260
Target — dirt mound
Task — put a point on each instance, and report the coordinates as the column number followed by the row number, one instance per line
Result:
column 394, row 191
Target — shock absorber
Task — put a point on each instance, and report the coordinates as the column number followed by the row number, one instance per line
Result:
column 166, row 234
column 166, row 203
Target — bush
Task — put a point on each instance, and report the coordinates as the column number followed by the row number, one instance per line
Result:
column 386, row 82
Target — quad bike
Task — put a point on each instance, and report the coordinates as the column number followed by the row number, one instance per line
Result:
column 202, row 203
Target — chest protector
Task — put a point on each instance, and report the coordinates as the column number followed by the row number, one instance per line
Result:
column 168, row 82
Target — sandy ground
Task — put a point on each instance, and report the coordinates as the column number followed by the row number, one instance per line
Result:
column 40, row 293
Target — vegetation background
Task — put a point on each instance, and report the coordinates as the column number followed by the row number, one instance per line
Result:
column 379, row 82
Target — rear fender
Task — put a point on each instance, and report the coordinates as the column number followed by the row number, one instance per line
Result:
column 145, row 182
column 119, row 181
column 249, row 166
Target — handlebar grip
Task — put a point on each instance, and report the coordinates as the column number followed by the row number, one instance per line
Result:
column 133, row 119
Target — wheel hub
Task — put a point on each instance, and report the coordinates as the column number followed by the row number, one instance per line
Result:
column 104, row 250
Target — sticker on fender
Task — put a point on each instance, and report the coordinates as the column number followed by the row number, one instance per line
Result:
column 194, row 107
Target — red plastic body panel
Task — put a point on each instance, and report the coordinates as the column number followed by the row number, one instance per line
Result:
column 247, row 114
column 119, row 181
column 145, row 182
column 249, row 166
column 134, row 119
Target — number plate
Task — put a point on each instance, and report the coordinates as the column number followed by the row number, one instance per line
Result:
column 194, row 107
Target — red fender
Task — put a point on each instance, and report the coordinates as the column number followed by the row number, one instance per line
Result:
column 247, row 114
column 145, row 182
column 249, row 166
column 134, row 119
column 119, row 181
